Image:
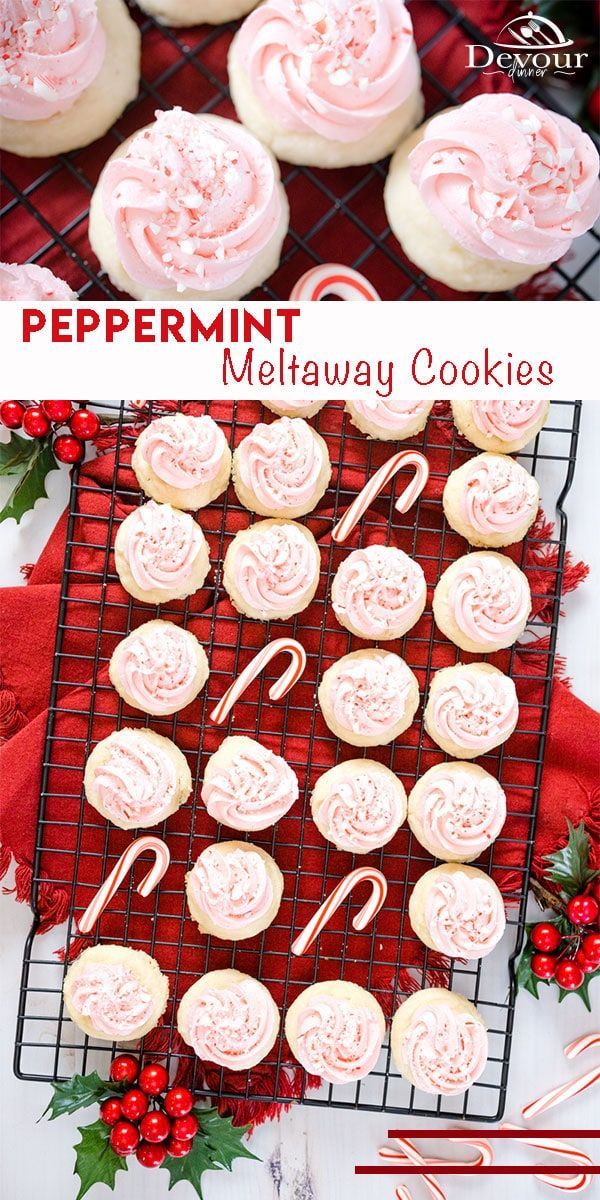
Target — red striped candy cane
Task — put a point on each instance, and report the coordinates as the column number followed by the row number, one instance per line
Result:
column 367, row 913
column 113, row 881
column 278, row 690
column 333, row 279
column 562, row 1183
column 575, row 1087
column 408, row 1153
column 375, row 485
column 580, row 1044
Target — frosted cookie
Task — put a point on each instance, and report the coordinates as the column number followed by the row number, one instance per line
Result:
column 389, row 418
column 487, row 194
column 115, row 994
column 234, row 890
column 369, row 698
column 68, row 69
column 439, row 1042
column 136, row 778
column 491, row 500
column 358, row 805
column 505, row 426
column 196, row 12
column 378, row 593
column 271, row 570
column 482, row 602
column 29, row 282
column 326, row 83
column 230, row 1019
column 182, row 460
column 246, row 786
column 456, row 810
column 471, row 709
column 159, row 668
column 282, row 469
column 335, row 1030
column 458, row 911
column 189, row 208
column 160, row 554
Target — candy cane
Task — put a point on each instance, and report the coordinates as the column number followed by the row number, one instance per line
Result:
column 333, row 279
column 375, row 485
column 278, row 690
column 367, row 913
column 562, row 1183
column 409, row 1153
column 113, row 881
column 580, row 1044
column 575, row 1087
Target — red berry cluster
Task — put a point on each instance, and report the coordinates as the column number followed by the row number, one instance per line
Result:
column 568, row 958
column 39, row 420
column 150, row 1119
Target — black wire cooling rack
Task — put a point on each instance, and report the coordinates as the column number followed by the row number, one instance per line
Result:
column 95, row 612
column 336, row 215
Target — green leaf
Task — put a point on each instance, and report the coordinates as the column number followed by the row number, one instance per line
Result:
column 216, row 1145
column 79, row 1092
column 95, row 1160
column 16, row 454
column 570, row 866
column 525, row 980
column 583, row 992
column 31, row 483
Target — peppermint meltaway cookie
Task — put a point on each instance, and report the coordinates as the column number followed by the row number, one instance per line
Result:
column 196, row 12
column 389, row 418
column 471, row 709
column 489, row 193
column 498, row 424
column 159, row 668
column 114, row 993
column 182, row 460
column 456, row 810
column 439, row 1042
column 458, row 911
column 136, row 778
column 326, row 83
column 358, row 805
column 160, row 554
column 189, row 208
column 271, row 570
column 68, row 68
column 246, row 786
column 234, row 890
column 491, row 500
column 30, row 282
column 482, row 602
column 335, row 1030
column 369, row 697
column 230, row 1019
column 281, row 469
column 378, row 592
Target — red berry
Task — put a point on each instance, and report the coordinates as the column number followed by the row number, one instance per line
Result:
column 545, row 937
column 134, row 1104
column 151, row 1156
column 153, row 1079
column 569, row 975
column 124, row 1137
column 57, row 411
column 586, row 966
column 35, row 421
column 110, row 1111
column 68, row 449
column 591, row 947
column 583, row 910
column 184, row 1128
column 155, row 1127
column 124, row 1069
column 84, row 424
column 179, row 1102
column 543, row 965
column 178, row 1149
column 11, row 414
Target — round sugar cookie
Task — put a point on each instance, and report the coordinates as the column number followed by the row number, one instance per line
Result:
column 271, row 570
column 439, row 1042
column 335, row 1030
column 234, row 890
column 136, row 778
column 230, row 1019
column 369, row 697
column 114, row 993
column 160, row 554
column 182, row 460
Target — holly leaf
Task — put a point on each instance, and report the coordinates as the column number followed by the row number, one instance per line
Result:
column 95, row 1159
column 31, row 483
column 16, row 454
column 569, row 867
column 583, row 992
column 525, row 980
column 216, row 1146
column 79, row 1092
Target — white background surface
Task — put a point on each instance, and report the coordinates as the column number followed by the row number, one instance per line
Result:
column 310, row 1153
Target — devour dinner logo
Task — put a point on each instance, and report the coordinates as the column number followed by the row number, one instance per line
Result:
column 528, row 47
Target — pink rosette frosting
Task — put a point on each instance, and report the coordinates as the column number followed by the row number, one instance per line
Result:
column 477, row 710
column 50, row 52
column 460, row 813
column 281, row 463
column 191, row 202
column 161, row 546
column 369, row 695
column 361, row 810
column 231, row 888
column 511, row 420
column 275, row 568
column 112, row 998
column 138, row 781
column 329, row 67
column 337, row 1040
column 234, row 1026
column 508, row 179
column 29, row 282
column 464, row 914
column 183, row 451
column 253, row 791
column 499, row 496
column 377, row 589
column 445, row 1050
column 392, row 413
column 489, row 599
column 158, row 668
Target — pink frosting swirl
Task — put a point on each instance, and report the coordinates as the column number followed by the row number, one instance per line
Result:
column 183, row 451
column 275, row 568
column 232, row 888
column 112, row 998
column 50, row 52
column 461, row 813
column 234, row 1026
column 29, row 282
column 138, row 781
column 330, row 67
column 281, row 463
column 161, row 546
column 508, row 419
column 445, row 1050
column 361, row 809
column 499, row 495
column 251, row 792
column 192, row 202
column 377, row 590
column 369, row 695
column 475, row 709
column 337, row 1040
column 508, row 179
column 489, row 599
column 392, row 413
column 464, row 914
column 158, row 667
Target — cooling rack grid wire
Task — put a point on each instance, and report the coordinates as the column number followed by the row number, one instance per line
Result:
column 72, row 838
